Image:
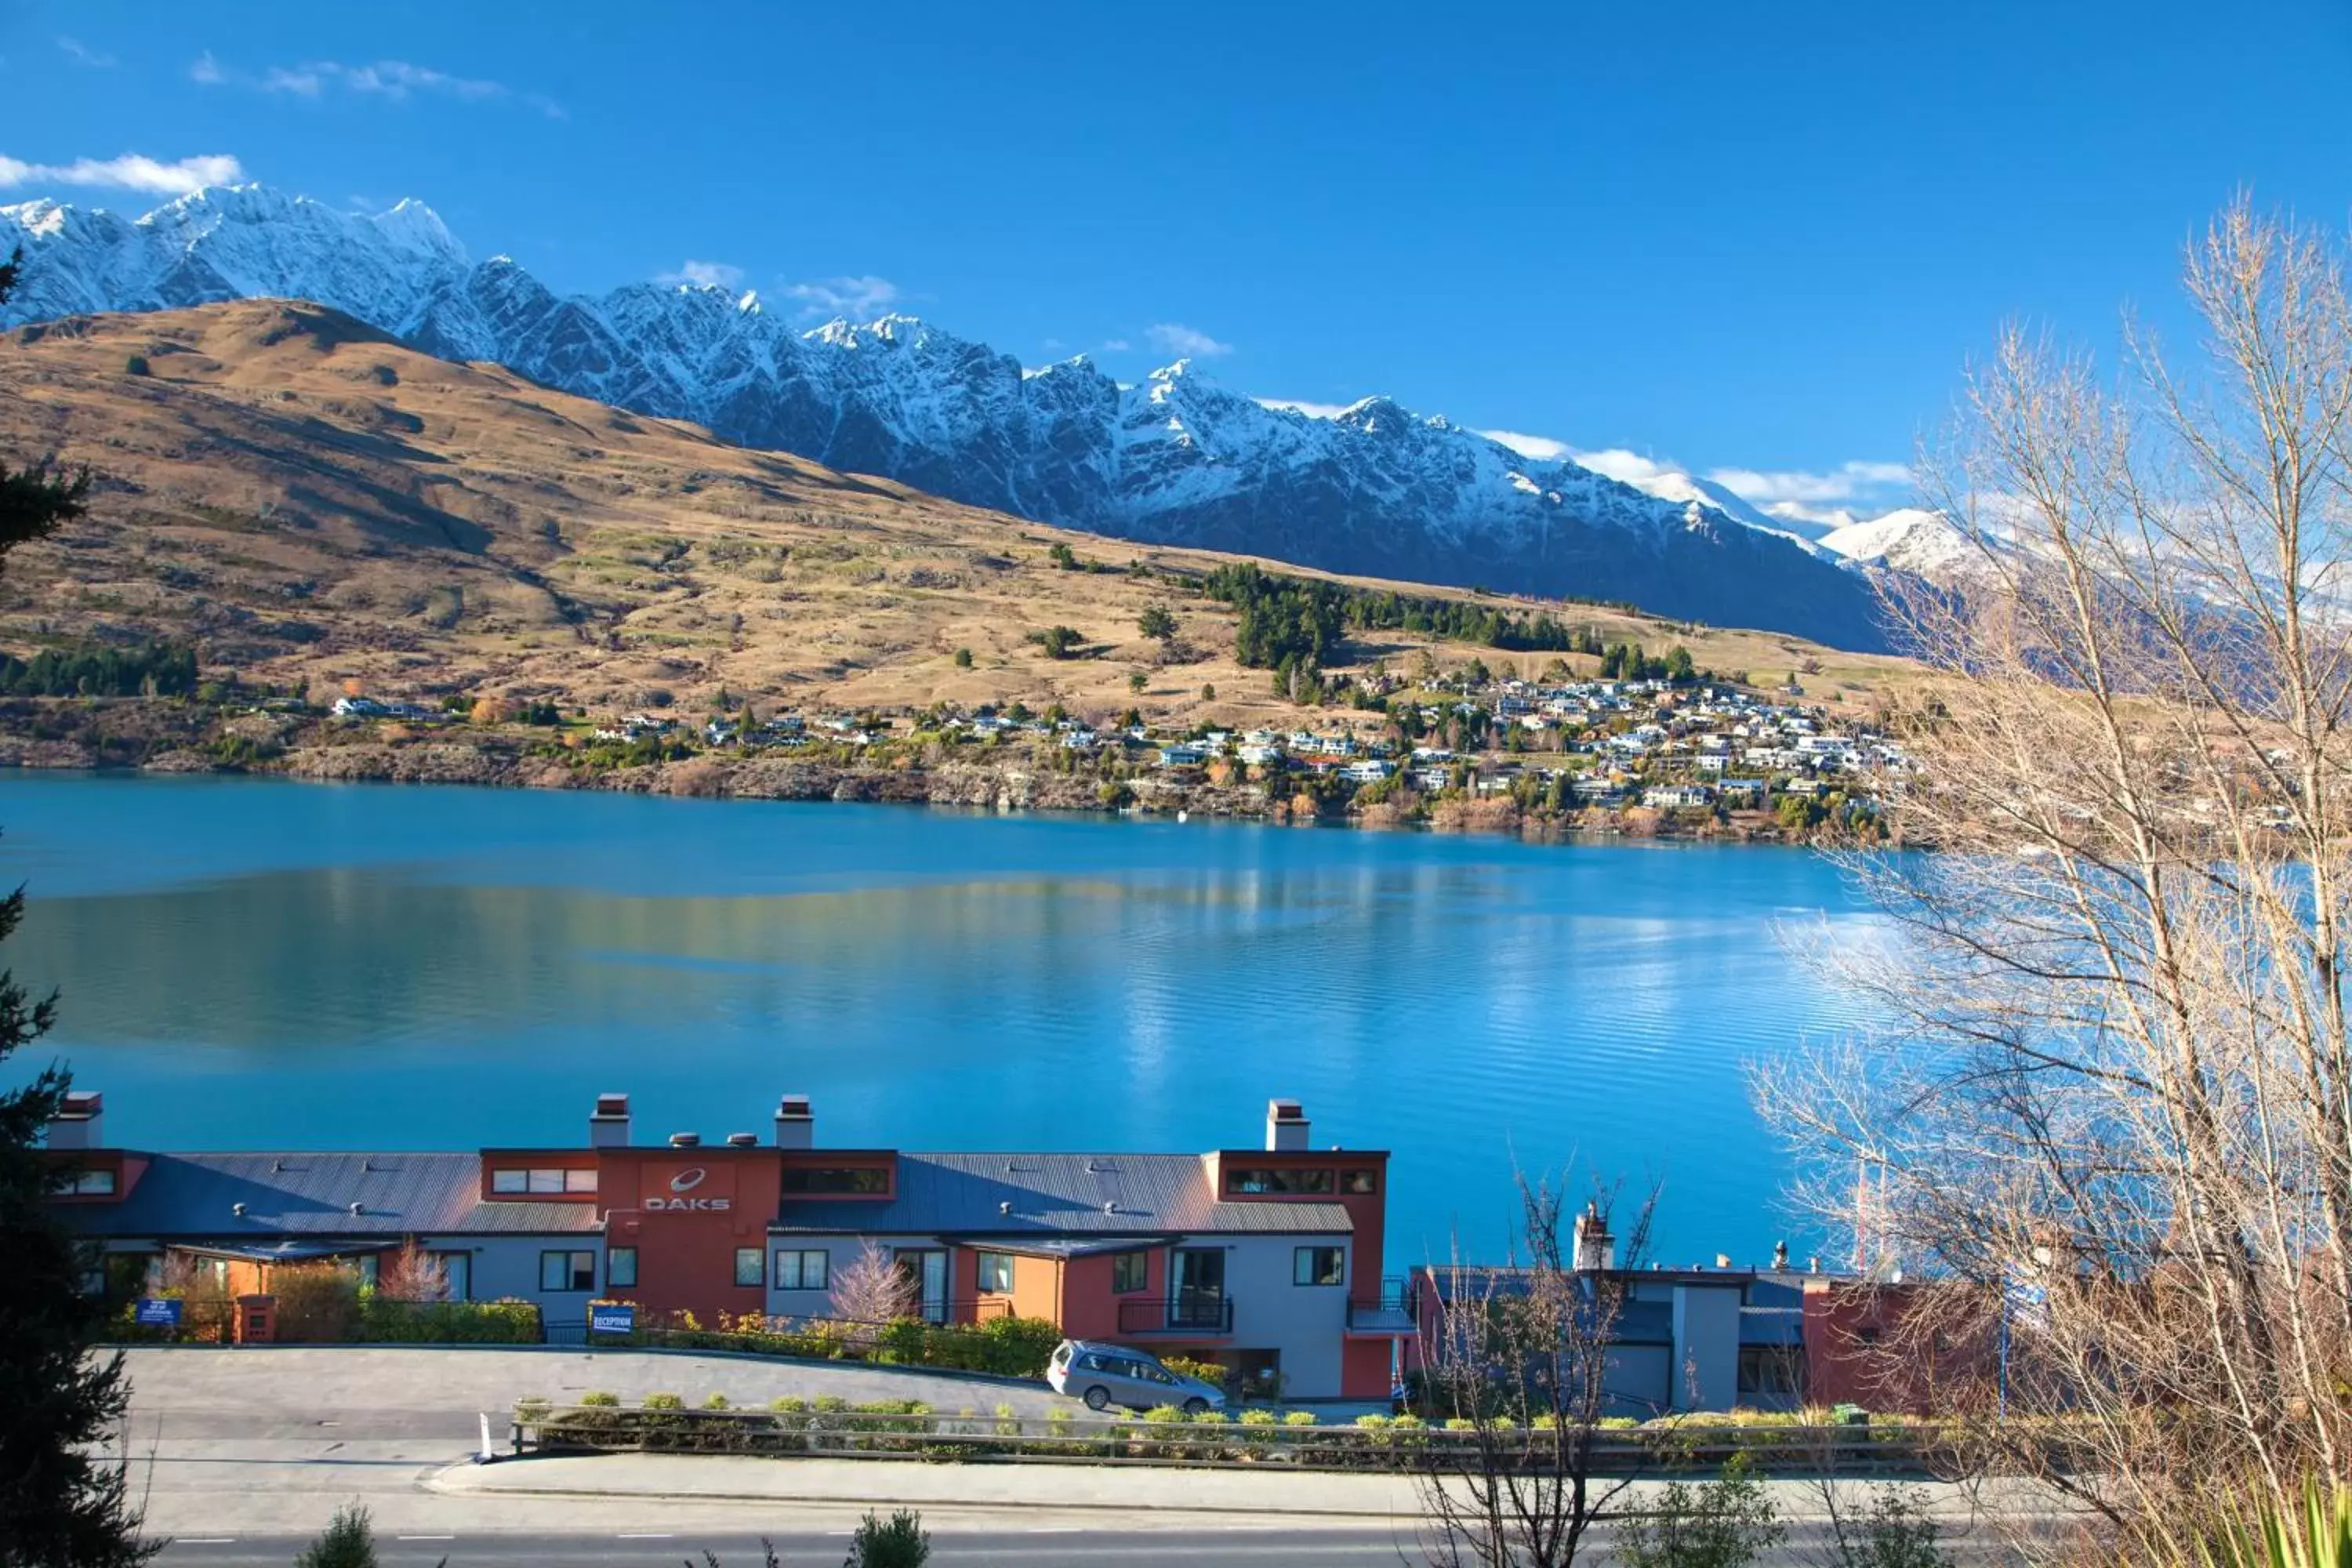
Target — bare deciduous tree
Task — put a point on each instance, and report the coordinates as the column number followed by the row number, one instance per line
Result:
column 2109, row 1111
column 874, row 1289
column 412, row 1274
column 1523, row 1355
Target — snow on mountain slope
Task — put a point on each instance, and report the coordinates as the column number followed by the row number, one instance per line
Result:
column 1924, row 544
column 1375, row 489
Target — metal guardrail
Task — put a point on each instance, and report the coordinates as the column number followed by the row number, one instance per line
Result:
column 1190, row 1313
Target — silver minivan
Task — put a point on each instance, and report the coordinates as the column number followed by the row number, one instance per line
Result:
column 1105, row 1374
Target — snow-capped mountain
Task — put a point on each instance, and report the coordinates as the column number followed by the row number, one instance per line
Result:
column 1923, row 543
column 1175, row 459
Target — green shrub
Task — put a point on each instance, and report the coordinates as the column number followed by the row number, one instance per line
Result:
column 500, row 1322
column 136, row 365
column 1258, row 1418
column 1164, row 1414
column 1727, row 1522
column 829, row 1403
column 898, row 1541
column 788, row 1405
column 716, row 1402
column 532, row 1409
column 1617, row 1423
column 663, row 1402
column 1460, row 1423
column 597, row 1399
column 1299, row 1419
column 1207, row 1371
column 349, row 1542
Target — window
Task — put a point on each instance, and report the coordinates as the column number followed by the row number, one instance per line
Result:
column 620, row 1268
column 1129, row 1272
column 93, row 1183
column 456, row 1272
column 544, row 1179
column 996, row 1273
column 801, row 1270
column 1358, row 1183
column 1254, row 1179
column 567, row 1271
column 854, row 1179
column 749, row 1265
column 1319, row 1266
column 1766, row 1370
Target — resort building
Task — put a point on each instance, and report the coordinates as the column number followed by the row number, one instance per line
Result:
column 1268, row 1259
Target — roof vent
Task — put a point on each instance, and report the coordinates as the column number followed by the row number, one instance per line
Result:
column 1111, row 1207
column 1004, row 1207
column 359, row 1208
column 367, row 1164
column 277, row 1167
column 237, row 1209
column 743, row 1140
column 685, row 1140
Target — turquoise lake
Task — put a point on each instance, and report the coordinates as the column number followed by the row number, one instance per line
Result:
column 250, row 963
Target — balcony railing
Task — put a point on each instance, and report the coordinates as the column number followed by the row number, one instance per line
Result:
column 1191, row 1312
column 1390, row 1312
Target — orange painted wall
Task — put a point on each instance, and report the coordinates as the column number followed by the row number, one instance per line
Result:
column 1089, row 1310
column 1842, row 1323
column 686, row 1255
column 1364, row 1370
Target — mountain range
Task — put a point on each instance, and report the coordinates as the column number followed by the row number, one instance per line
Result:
column 1178, row 460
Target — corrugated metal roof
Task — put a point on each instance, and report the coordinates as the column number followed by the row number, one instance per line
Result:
column 311, row 1194
column 1057, row 1195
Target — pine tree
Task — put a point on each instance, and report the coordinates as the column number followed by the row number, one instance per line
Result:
column 61, row 1504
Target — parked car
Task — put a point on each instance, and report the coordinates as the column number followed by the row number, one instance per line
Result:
column 1104, row 1375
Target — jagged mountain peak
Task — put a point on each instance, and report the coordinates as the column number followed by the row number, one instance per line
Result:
column 1178, row 459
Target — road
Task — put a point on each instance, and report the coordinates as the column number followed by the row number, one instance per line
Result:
column 1056, row 1546
column 242, row 1458
column 1059, row 1546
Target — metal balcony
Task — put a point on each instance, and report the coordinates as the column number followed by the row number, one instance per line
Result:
column 1390, row 1312
column 1196, row 1313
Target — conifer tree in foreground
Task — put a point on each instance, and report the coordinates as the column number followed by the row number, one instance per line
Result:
column 62, row 1504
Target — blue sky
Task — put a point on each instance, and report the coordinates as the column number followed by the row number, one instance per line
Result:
column 1733, row 236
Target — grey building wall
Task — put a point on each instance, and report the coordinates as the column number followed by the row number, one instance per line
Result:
column 1707, row 1346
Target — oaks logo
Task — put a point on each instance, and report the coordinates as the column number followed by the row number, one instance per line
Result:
column 681, row 1187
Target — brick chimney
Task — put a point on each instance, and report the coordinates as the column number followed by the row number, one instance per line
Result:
column 1285, row 1125
column 80, row 1121
column 795, row 1122
column 1595, row 1250
column 608, row 1126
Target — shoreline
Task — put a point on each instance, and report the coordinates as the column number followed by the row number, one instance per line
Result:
column 169, row 737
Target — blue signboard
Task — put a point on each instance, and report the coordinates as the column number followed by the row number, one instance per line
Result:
column 159, row 1312
column 612, row 1318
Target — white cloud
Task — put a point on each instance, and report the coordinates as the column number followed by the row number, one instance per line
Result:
column 1303, row 406
column 702, row 275
column 394, row 81
column 858, row 298
column 1847, row 481
column 1542, row 448
column 82, row 54
column 1115, row 346
column 1173, row 337
column 130, row 172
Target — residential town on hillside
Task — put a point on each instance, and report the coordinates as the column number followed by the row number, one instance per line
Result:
column 1703, row 748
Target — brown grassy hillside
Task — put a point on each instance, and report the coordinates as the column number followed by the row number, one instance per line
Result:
column 305, row 500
